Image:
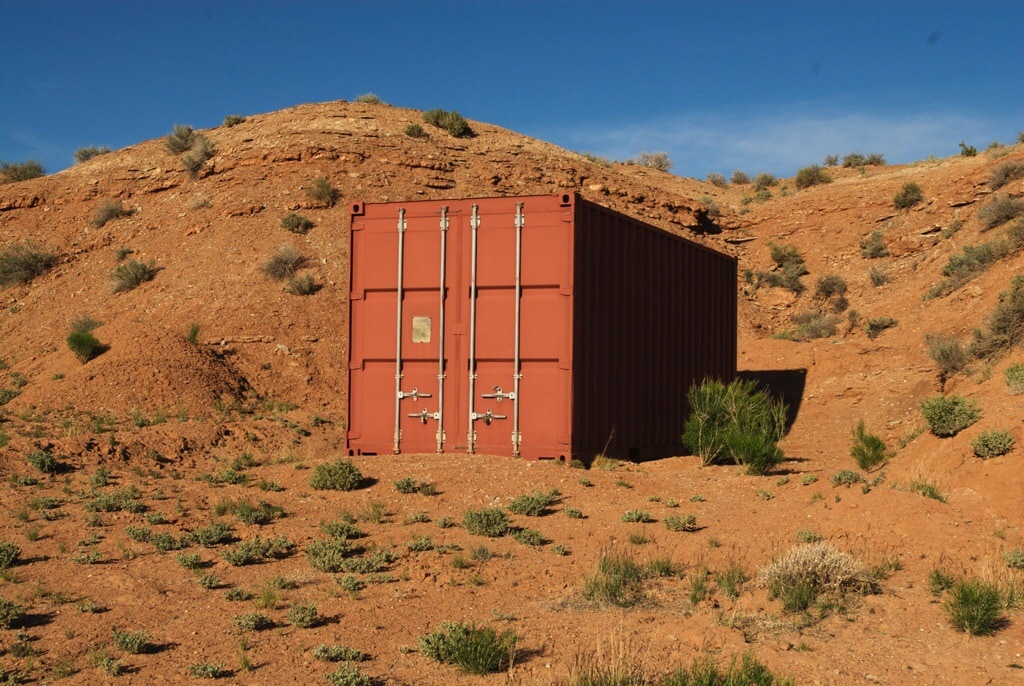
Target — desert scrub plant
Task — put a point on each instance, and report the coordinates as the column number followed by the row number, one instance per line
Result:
column 1015, row 378
column 829, row 287
column 11, row 172
column 808, row 572
column 948, row 353
column 845, row 477
column 748, row 671
column 908, row 196
column 134, row 642
column 303, row 284
column 328, row 555
column 949, row 415
column 873, row 246
column 876, row 325
column 474, row 650
column 180, row 139
column 368, row 99
column 86, row 154
column 232, row 120
column 1000, row 210
column 349, row 675
column 252, row 621
column 256, row 550
column 284, row 263
column 869, row 451
column 992, row 443
column 489, row 521
column 340, row 475
column 878, row 276
column 1004, row 173
column 681, row 522
column 1014, row 559
column 304, row 615
column 415, row 131
column 964, row 266
column 22, row 262
column 1005, row 323
column 296, row 223
column 530, row 537
column 213, row 534
column 617, row 580
column 734, row 422
column 534, row 504
column 763, row 181
column 975, row 607
column 654, row 160
column 716, row 179
column 11, row 613
column 407, row 485
column 338, row 653
column 44, row 461
column 82, row 342
column 789, row 265
column 573, row 512
column 637, row 516
column 923, row 486
column 811, row 176
column 108, row 210
column 810, row 325
column 451, row 121
column 321, row 191
column 206, row 670
column 9, row 554
column 131, row 274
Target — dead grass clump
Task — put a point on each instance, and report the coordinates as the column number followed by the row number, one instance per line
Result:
column 108, row 210
column 1005, row 173
column 1000, row 210
column 23, row 262
column 131, row 274
column 816, row 570
column 284, row 263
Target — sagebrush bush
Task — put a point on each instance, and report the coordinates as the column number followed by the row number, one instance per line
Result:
column 992, row 443
column 877, row 325
column 296, row 223
column 763, row 181
column 489, row 521
column 716, row 179
column 180, row 139
column 415, row 131
column 107, row 210
column 232, row 120
column 252, row 621
column 302, row 284
column 1000, row 210
column 975, row 607
column 134, row 642
column 1004, row 173
column 475, row 650
column 284, row 263
column 873, row 246
column 967, row 150
column 908, row 196
column 734, row 422
column 368, row 99
column 340, row 475
column 323, row 192
column 534, row 504
column 739, row 177
column 202, row 149
column 811, row 176
column 681, row 523
column 808, row 572
column 213, row 534
column 975, row 259
column 451, row 121
column 1015, row 378
column 654, row 160
column 338, row 653
column 949, row 415
column 1005, row 324
column 44, row 461
column 304, row 615
column 131, row 274
column 844, row 477
column 810, row 325
column 634, row 516
column 9, row 554
column 22, row 262
column 830, row 286
column 84, row 344
column 11, row 613
column 869, row 451
column 11, row 172
column 85, row 154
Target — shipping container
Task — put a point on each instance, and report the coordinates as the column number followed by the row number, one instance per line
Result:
column 539, row 326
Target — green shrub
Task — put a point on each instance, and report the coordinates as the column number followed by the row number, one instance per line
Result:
column 854, row 159
column 948, row 354
column 830, row 286
column 530, row 537
column 213, row 534
column 1005, row 173
column 206, row 670
column 967, row 150
column 340, row 475
column 452, row 122
column 812, row 571
column 11, row 613
column 1000, row 210
column 202, row 149
column 12, row 172
column 323, row 192
column 869, row 451
column 304, row 615
column 130, row 274
column 108, row 210
column 790, row 267
column 489, row 521
column 573, row 512
column 180, row 140
column 1014, row 559
column 44, row 461
column 908, row 196
column 232, row 120
column 406, row 485
column 252, row 621
column 284, row 263
column 1015, row 378
column 617, row 580
column 739, row 177
column 368, row 99
column 992, row 443
column 338, row 653
column 877, row 325
column 873, row 246
column 9, row 554
column 1005, row 323
column 975, row 607
column 975, row 259
column 949, row 415
column 763, row 181
column 811, row 176
column 878, row 277
column 704, row 672
column 810, row 325
column 349, row 675
column 303, row 284
column 534, row 504
column 633, row 516
column 734, row 423
column 22, row 262
column 681, row 523
column 714, row 178
column 844, row 477
column 475, row 650
column 134, row 642
column 296, row 223
column 926, row 488
column 85, row 154
column 415, row 131
column 328, row 555
column 256, row 550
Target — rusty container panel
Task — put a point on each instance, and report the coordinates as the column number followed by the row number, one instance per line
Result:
column 539, row 326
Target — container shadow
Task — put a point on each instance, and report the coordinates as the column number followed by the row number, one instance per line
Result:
column 783, row 385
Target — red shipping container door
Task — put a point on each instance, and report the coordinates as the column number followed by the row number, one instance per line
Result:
column 540, row 326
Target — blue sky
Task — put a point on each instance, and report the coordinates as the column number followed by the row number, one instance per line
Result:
column 758, row 86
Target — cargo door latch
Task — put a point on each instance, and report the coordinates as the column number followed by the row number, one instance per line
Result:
column 498, row 395
column 414, row 394
column 425, row 414
column 488, row 416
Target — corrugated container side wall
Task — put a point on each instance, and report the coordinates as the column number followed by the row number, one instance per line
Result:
column 654, row 313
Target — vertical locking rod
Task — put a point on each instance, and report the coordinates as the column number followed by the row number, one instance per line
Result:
column 517, row 375
column 440, row 337
column 474, row 224
column 399, row 295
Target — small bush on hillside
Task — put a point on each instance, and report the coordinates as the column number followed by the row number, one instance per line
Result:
column 948, row 354
column 202, row 149
column 872, row 246
column 809, row 572
column 232, row 120
column 474, row 650
column 992, row 443
column 875, row 158
column 1015, row 379
column 304, row 615
column 180, row 139
column 949, row 415
column 452, row 122
column 134, row 642
column 9, row 554
column 1005, row 173
column 739, row 177
column 790, row 266
column 869, row 451
column 44, row 461
column 734, row 423
column 716, row 179
column 831, row 160
column 1005, row 323
column 975, row 259
column 533, row 505
column 85, row 154
column 340, row 475
column 877, row 325
column 618, row 580
column 854, row 159
column 284, row 263
column 323, row 192
column 654, row 160
column 763, row 181
column 1000, row 210
column 908, row 196
column 975, row 607
column 368, row 99
column 415, row 131
column 681, row 523
column 11, row 614
column 108, row 210
column 845, row 477
column 131, row 274
column 811, row 176
column 489, row 521
column 878, row 276
column 303, row 284
column 338, row 653
column 811, row 325
column 967, row 150
column 84, row 344
column 704, row 672
column 830, row 286
column 22, row 262
column 12, row 172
